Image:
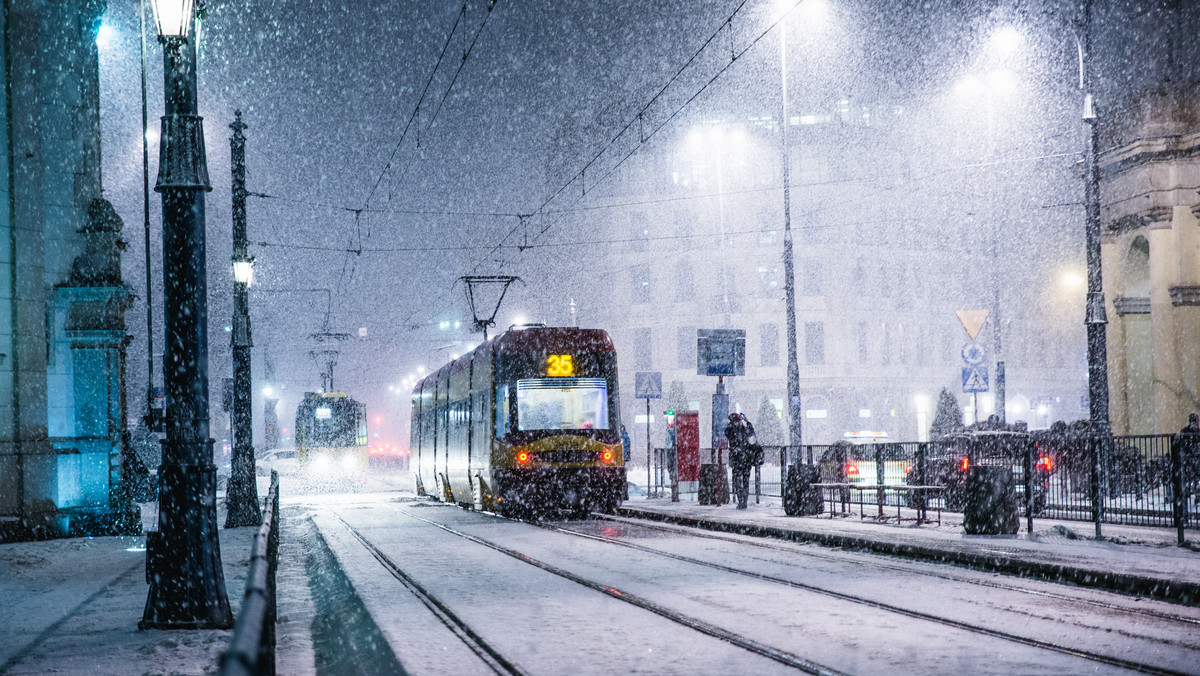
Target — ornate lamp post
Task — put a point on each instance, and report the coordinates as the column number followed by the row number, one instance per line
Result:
column 183, row 557
column 242, row 497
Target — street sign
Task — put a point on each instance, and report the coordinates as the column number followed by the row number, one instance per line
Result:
column 973, row 353
column 647, row 385
column 972, row 320
column 975, row 378
column 721, row 352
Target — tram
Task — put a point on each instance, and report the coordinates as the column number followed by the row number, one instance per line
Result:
column 527, row 423
column 331, row 435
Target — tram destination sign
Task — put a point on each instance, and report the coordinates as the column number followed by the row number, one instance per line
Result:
column 721, row 352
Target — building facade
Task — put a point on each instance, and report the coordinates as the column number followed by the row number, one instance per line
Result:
column 62, row 301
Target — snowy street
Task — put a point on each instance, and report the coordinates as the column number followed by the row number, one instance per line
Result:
column 622, row 596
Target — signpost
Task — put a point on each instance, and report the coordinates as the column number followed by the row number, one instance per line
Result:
column 720, row 352
column 647, row 385
column 975, row 373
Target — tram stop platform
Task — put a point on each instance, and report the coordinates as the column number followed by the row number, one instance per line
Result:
column 1137, row 560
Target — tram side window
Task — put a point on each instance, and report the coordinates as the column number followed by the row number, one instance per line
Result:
column 501, row 410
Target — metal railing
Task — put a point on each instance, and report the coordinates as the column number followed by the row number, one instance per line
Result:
column 252, row 646
column 1149, row 480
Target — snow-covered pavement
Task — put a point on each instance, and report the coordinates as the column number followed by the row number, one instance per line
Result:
column 378, row 582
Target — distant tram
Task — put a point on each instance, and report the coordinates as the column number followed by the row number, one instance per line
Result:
column 527, row 422
column 331, row 434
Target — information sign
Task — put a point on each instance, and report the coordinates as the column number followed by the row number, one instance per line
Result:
column 721, row 352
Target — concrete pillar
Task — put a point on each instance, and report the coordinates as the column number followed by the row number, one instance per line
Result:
column 1185, row 300
column 1118, row 375
column 1167, row 387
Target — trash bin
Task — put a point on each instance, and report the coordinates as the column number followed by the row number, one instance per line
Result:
column 710, row 484
column 990, row 506
column 800, row 497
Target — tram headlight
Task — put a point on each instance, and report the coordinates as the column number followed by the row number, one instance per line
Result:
column 349, row 462
column 322, row 463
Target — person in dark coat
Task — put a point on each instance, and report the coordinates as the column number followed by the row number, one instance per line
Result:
column 1188, row 441
column 626, row 445
column 740, row 434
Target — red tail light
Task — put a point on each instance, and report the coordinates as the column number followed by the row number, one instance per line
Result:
column 607, row 455
column 1044, row 463
column 965, row 463
column 522, row 457
column 851, row 469
column 908, row 469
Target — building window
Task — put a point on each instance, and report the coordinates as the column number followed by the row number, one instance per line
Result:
column 685, row 347
column 862, row 343
column 639, row 232
column 685, row 285
column 768, row 281
column 768, row 352
column 810, row 278
column 814, row 343
column 640, row 284
column 642, row 349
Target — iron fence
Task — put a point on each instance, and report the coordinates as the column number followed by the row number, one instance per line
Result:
column 252, row 646
column 1150, row 480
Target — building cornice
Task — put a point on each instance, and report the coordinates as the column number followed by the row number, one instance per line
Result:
column 1131, row 305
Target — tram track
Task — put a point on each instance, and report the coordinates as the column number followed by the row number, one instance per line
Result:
column 474, row 642
column 1130, row 665
column 746, row 643
column 685, row 530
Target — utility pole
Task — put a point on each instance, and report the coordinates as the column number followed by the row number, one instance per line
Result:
column 241, row 499
column 183, row 557
column 789, row 277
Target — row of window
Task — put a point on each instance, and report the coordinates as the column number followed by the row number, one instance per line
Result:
column 882, row 344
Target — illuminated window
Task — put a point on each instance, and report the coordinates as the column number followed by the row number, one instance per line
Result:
column 562, row 404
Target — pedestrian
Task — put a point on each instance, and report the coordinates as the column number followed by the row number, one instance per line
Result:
column 740, row 434
column 626, row 444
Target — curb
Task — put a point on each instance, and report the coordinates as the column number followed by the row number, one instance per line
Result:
column 1174, row 591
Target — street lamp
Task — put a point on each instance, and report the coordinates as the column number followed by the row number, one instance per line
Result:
column 241, row 498
column 183, row 557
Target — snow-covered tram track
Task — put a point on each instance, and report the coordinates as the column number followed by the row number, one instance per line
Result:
column 781, row 656
column 875, row 562
column 463, row 631
column 1108, row 660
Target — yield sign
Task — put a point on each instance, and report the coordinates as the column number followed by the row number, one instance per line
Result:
column 972, row 320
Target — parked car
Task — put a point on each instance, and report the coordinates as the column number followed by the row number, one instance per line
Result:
column 949, row 461
column 282, row 460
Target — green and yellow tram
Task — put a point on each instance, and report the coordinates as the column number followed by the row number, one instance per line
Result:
column 527, row 422
column 331, row 435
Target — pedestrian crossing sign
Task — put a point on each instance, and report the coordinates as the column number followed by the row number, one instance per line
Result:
column 975, row 378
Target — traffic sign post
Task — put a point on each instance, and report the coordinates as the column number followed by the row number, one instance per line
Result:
column 647, row 385
column 974, row 381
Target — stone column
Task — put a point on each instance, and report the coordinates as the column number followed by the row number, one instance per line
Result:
column 1185, row 298
column 1166, row 385
column 1118, row 374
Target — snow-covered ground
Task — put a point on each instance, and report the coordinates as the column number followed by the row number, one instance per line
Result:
column 73, row 605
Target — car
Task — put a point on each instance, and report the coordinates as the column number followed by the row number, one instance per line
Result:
column 282, row 460
column 949, row 461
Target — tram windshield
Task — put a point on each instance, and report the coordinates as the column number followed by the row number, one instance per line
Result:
column 562, row 404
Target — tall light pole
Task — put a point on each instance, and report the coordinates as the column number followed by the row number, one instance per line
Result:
column 183, row 557
column 241, row 499
column 789, row 278
column 1099, row 427
column 1095, row 317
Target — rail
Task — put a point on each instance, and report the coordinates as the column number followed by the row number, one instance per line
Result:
column 252, row 646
